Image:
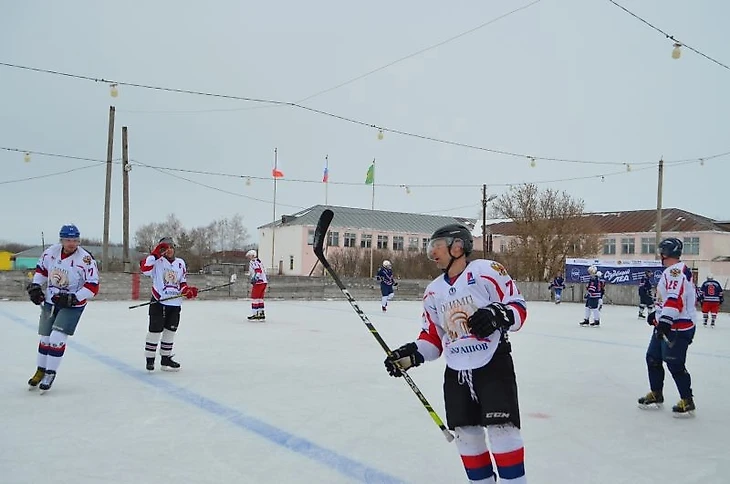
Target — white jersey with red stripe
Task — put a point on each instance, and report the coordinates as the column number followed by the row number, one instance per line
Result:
column 75, row 273
column 169, row 278
column 448, row 304
column 676, row 296
column 256, row 272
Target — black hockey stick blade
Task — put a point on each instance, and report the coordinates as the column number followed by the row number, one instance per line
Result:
column 320, row 232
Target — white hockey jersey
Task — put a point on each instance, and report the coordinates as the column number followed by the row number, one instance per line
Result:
column 76, row 273
column 256, row 272
column 447, row 305
column 169, row 278
column 676, row 296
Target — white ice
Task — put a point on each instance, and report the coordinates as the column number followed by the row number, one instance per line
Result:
column 304, row 398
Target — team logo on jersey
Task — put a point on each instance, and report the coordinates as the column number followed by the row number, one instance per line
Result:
column 470, row 278
column 87, row 259
column 169, row 278
column 499, row 268
column 675, row 272
column 58, row 278
column 456, row 323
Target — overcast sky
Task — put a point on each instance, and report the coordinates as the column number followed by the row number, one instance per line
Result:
column 572, row 79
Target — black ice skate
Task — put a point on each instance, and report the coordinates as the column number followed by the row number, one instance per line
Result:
column 584, row 322
column 150, row 364
column 684, row 408
column 168, row 364
column 47, row 381
column 385, row 308
column 641, row 316
column 595, row 324
column 36, row 378
column 652, row 400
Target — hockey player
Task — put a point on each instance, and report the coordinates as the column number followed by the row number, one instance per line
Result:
column 73, row 279
column 646, row 298
column 673, row 332
column 557, row 287
column 387, row 283
column 711, row 297
column 169, row 286
column 593, row 296
column 257, row 276
column 467, row 313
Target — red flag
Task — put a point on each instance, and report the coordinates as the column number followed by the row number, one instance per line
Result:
column 276, row 173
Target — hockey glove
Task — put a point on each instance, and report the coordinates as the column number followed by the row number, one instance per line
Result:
column 65, row 300
column 664, row 326
column 160, row 249
column 651, row 318
column 405, row 357
column 36, row 293
column 485, row 321
column 190, row 292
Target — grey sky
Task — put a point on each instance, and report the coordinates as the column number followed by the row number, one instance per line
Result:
column 576, row 79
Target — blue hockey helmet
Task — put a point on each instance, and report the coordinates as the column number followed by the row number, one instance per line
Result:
column 670, row 247
column 69, row 231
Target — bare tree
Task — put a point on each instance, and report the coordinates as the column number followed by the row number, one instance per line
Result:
column 147, row 236
column 549, row 226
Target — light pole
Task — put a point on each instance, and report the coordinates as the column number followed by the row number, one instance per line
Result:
column 485, row 201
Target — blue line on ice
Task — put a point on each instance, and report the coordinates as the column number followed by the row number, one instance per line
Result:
column 344, row 465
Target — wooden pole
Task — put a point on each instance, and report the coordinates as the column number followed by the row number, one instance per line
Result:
column 108, row 189
column 125, row 207
column 658, row 227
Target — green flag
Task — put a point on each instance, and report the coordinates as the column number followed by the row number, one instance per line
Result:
column 370, row 177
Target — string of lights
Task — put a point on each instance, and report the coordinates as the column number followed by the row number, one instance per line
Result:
column 381, row 129
column 676, row 52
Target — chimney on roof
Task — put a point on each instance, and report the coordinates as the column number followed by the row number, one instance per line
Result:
column 286, row 218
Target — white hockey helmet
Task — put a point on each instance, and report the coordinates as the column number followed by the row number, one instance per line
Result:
column 386, row 263
column 592, row 270
column 599, row 274
column 710, row 276
column 251, row 254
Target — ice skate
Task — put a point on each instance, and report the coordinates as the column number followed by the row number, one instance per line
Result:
column 684, row 408
column 584, row 323
column 261, row 315
column 36, row 378
column 704, row 324
column 712, row 324
column 651, row 401
column 595, row 324
column 168, row 364
column 150, row 364
column 641, row 316
column 385, row 308
column 47, row 381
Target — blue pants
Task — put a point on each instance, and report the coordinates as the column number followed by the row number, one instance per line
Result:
column 675, row 356
column 558, row 292
column 386, row 289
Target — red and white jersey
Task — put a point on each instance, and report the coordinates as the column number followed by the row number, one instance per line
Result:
column 256, row 272
column 448, row 304
column 75, row 273
column 169, row 278
column 676, row 296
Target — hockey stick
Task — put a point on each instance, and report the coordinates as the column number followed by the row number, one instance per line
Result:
column 322, row 225
column 229, row 283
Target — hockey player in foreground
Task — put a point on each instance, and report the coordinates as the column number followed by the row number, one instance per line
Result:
column 257, row 276
column 466, row 315
column 169, row 280
column 73, row 279
column 673, row 332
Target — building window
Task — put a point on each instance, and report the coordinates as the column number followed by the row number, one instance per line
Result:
column 627, row 246
column 366, row 241
column 648, row 245
column 291, row 262
column 502, row 246
column 424, row 244
column 412, row 243
column 333, row 239
column 397, row 242
column 382, row 241
column 609, row 246
column 350, row 239
column 691, row 246
column 310, row 237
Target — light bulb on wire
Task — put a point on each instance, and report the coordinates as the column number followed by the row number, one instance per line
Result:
column 380, row 134
column 113, row 89
column 533, row 162
column 677, row 52
column 248, row 181
column 628, row 167
column 26, row 157
column 603, row 178
column 702, row 162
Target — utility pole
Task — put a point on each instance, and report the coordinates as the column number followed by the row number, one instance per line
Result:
column 659, row 209
column 125, row 208
column 484, row 220
column 108, row 189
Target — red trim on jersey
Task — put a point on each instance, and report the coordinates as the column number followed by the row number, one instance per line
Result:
column 682, row 325
column 476, row 461
column 94, row 288
column 155, row 294
column 674, row 303
column 521, row 311
column 143, row 267
column 431, row 335
column 496, row 286
column 512, row 458
column 41, row 270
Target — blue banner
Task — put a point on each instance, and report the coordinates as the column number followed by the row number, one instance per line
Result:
column 613, row 271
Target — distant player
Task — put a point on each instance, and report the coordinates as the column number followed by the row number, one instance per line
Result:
column 73, row 279
column 169, row 281
column 557, row 287
column 646, row 296
column 593, row 296
column 673, row 332
column 257, row 277
column 711, row 297
column 387, row 283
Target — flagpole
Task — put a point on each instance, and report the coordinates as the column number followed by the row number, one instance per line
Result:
column 372, row 207
column 327, row 182
column 273, row 226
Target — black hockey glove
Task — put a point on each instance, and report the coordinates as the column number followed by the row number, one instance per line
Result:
column 65, row 300
column 405, row 357
column 36, row 293
column 485, row 321
column 664, row 326
column 651, row 318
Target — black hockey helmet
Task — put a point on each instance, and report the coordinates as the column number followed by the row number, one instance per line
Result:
column 455, row 232
column 670, row 247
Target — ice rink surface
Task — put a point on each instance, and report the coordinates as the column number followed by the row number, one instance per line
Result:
column 304, row 398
